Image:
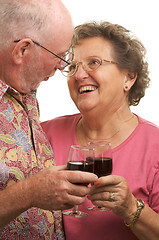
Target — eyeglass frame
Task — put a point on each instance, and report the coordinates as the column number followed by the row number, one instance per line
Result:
column 38, row 44
column 77, row 65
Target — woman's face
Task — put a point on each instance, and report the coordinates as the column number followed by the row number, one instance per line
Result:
column 106, row 82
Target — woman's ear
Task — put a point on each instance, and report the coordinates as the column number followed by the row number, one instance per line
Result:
column 22, row 50
column 129, row 81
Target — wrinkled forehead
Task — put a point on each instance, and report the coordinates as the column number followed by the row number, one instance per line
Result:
column 93, row 46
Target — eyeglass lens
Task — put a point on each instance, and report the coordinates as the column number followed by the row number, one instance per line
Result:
column 68, row 57
column 90, row 64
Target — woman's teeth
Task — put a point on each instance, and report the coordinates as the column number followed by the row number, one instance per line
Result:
column 87, row 89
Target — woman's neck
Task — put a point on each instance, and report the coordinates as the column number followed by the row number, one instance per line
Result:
column 113, row 127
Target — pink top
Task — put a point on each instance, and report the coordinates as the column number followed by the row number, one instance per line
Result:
column 136, row 159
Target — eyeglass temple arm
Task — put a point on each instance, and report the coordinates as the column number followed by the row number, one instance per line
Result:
column 46, row 50
column 109, row 61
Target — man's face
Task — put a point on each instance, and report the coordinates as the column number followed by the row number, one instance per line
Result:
column 39, row 65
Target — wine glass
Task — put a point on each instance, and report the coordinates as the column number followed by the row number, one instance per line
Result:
column 80, row 158
column 102, row 162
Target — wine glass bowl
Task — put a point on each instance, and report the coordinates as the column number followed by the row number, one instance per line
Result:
column 80, row 161
column 102, row 158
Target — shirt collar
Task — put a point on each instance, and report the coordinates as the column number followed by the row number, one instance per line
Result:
column 4, row 88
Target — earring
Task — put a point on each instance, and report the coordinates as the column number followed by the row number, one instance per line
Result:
column 126, row 87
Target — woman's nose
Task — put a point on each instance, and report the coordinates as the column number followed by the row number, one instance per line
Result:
column 80, row 72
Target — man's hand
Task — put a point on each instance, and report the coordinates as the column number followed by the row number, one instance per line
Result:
column 55, row 188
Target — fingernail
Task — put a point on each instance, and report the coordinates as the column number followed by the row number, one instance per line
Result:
column 96, row 183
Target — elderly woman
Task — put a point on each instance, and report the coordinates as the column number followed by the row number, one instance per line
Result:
column 108, row 75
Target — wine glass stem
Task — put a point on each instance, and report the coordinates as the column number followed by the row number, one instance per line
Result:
column 75, row 209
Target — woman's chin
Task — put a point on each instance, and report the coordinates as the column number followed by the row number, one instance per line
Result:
column 86, row 108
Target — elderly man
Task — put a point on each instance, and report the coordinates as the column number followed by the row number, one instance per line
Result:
column 35, row 37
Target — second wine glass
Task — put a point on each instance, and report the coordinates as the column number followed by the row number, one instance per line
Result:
column 80, row 158
column 102, row 162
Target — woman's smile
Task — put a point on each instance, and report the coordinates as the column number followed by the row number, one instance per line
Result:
column 87, row 88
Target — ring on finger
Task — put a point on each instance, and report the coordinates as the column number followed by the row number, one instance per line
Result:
column 111, row 196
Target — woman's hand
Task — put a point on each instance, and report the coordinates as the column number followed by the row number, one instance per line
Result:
column 113, row 192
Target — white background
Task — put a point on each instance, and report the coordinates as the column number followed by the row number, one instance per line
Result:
column 139, row 16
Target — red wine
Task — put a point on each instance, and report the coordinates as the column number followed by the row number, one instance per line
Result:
column 102, row 166
column 86, row 166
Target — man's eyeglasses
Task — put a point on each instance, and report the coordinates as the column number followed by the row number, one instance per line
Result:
column 90, row 64
column 65, row 60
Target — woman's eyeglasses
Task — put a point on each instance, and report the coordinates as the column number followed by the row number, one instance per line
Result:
column 90, row 64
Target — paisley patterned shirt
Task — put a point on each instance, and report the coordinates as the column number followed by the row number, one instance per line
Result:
column 24, row 150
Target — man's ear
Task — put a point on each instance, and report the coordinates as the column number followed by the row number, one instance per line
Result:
column 22, row 50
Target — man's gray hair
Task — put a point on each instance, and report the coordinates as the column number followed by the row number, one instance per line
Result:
column 23, row 18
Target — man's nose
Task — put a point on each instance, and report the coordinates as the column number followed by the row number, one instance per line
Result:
column 59, row 64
